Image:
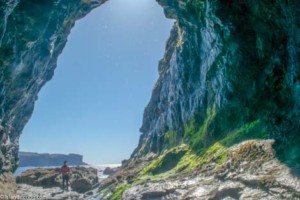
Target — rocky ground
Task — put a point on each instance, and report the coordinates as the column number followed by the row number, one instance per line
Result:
column 248, row 170
column 46, row 183
column 52, row 193
column 82, row 179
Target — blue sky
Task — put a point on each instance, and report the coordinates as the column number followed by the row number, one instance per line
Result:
column 94, row 104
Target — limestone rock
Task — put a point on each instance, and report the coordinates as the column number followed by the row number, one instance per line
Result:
column 7, row 184
column 54, row 193
column 82, row 179
column 109, row 170
column 45, row 177
column 251, row 172
column 81, row 185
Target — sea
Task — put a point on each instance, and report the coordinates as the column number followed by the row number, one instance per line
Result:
column 99, row 167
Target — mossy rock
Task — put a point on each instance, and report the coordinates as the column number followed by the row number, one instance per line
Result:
column 169, row 161
column 118, row 192
column 165, row 162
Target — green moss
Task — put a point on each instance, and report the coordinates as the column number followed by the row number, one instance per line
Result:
column 188, row 162
column 225, row 126
column 206, row 141
column 216, row 153
column 251, row 130
column 170, row 140
column 195, row 134
column 182, row 159
column 165, row 162
column 118, row 191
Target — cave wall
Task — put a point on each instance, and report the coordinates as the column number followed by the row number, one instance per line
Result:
column 227, row 64
column 33, row 34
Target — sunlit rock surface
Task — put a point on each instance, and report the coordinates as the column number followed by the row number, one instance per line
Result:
column 230, row 73
column 251, row 171
column 32, row 35
column 227, row 64
column 82, row 179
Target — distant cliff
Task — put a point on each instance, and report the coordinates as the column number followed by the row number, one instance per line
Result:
column 46, row 159
column 230, row 73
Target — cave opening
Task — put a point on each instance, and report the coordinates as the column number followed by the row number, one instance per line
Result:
column 94, row 104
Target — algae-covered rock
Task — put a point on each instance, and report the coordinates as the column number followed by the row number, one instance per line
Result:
column 250, row 171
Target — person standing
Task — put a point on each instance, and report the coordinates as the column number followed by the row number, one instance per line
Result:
column 65, row 172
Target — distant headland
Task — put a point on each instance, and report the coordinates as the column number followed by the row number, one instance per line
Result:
column 30, row 159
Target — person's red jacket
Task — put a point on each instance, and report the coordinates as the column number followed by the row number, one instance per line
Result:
column 65, row 170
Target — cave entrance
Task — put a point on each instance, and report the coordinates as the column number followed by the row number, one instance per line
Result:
column 94, row 104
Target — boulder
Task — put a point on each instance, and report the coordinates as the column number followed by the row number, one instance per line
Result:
column 81, row 185
column 7, row 184
column 110, row 171
column 45, row 177
column 82, row 179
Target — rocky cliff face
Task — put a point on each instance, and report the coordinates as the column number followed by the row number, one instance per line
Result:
column 227, row 64
column 32, row 35
column 230, row 73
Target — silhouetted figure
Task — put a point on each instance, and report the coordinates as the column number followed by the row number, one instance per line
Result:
column 65, row 170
